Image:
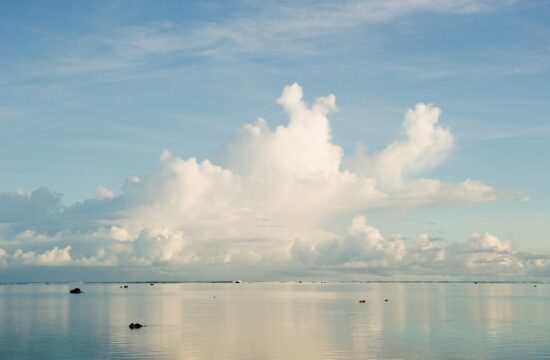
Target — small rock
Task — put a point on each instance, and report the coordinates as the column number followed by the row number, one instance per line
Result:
column 76, row 291
column 135, row 326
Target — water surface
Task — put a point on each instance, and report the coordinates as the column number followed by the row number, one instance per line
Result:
column 276, row 321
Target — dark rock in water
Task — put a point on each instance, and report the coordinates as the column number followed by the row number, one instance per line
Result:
column 76, row 291
column 362, row 301
column 135, row 326
column 386, row 300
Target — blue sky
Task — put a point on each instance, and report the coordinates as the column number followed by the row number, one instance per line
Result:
column 92, row 93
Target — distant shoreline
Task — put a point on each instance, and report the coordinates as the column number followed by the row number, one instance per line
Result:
column 284, row 282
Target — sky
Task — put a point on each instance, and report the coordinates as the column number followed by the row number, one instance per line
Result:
column 214, row 140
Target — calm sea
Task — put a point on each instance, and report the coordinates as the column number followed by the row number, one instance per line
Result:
column 276, row 321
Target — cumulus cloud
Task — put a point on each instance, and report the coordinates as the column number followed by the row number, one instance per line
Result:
column 425, row 145
column 364, row 248
column 35, row 210
column 301, row 148
column 104, row 193
column 52, row 257
column 3, row 256
column 159, row 245
column 277, row 197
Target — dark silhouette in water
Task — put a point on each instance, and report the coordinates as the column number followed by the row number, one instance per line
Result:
column 76, row 291
column 135, row 326
column 362, row 301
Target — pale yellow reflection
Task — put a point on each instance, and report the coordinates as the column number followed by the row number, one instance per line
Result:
column 226, row 321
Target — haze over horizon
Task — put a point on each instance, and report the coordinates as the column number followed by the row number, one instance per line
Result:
column 223, row 140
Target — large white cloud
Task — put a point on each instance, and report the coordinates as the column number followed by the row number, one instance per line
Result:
column 278, row 197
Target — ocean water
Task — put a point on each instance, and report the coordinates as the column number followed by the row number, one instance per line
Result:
column 276, row 321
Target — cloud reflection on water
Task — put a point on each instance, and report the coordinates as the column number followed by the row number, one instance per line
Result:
column 274, row 321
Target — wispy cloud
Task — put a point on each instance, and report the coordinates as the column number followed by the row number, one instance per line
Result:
column 279, row 29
